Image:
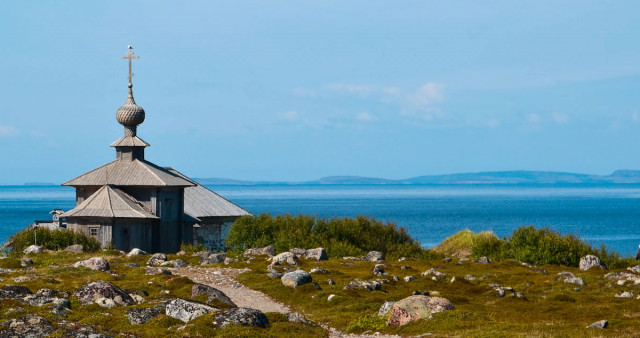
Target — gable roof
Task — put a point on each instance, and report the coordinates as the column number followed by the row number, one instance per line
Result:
column 130, row 173
column 201, row 202
column 110, row 202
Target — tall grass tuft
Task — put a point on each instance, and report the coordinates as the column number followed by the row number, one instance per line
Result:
column 338, row 236
column 57, row 239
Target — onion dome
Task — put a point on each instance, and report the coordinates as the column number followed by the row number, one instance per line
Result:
column 130, row 114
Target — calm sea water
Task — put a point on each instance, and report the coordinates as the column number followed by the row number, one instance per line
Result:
column 609, row 215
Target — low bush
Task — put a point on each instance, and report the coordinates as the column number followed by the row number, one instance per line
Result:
column 338, row 236
column 57, row 239
column 462, row 243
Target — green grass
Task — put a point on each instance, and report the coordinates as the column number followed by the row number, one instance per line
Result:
column 50, row 239
column 461, row 244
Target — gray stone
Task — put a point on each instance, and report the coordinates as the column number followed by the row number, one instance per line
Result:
column 319, row 270
column 373, row 256
column 241, row 315
column 331, row 282
column 32, row 249
column 212, row 258
column 14, row 291
column 212, row 294
column 624, row 294
column 447, row 259
column 157, row 259
column 433, row 272
column 565, row 274
column 94, row 263
column 30, row 326
column 370, row 285
column 186, row 310
column 317, row 254
column 176, row 263
column 77, row 248
column 136, row 252
column 268, row 250
column 299, row 252
column 151, row 270
column 296, row 278
column 378, row 270
column 100, row 289
column 297, row 318
column 142, row 315
column 285, row 257
column 132, row 265
column 26, row 262
column 601, row 324
column 105, row 302
column 275, row 275
column 414, row 308
column 384, row 309
column 575, row 280
column 5, row 271
column 409, row 278
column 635, row 268
column 589, row 261
column 482, row 260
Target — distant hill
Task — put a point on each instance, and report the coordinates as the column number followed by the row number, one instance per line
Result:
column 495, row 177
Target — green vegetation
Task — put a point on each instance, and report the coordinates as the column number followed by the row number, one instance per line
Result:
column 191, row 248
column 50, row 239
column 462, row 243
column 338, row 236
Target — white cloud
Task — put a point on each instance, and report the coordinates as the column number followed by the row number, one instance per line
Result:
column 7, row 130
column 560, row 118
column 534, row 118
column 366, row 117
column 427, row 94
column 290, row 115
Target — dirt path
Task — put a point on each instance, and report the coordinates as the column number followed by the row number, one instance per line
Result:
column 224, row 280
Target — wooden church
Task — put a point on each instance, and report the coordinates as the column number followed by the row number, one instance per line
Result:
column 133, row 203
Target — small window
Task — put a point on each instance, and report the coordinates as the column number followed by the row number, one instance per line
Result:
column 93, row 232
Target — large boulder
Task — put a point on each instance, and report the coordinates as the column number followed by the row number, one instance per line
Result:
column 318, row 254
column 78, row 248
column 241, row 315
column 186, row 310
column 152, row 270
column 296, row 278
column 373, row 256
column 589, row 261
column 213, row 294
column 14, row 291
column 94, row 263
column 141, row 315
column 136, row 252
column 30, row 326
column 417, row 307
column 32, row 249
column 367, row 285
column 176, row 263
column 100, row 289
column 157, row 259
column 285, row 257
column 268, row 250
column 212, row 258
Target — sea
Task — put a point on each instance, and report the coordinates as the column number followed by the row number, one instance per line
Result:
column 607, row 215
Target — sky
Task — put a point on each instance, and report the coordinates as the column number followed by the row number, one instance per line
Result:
column 298, row 90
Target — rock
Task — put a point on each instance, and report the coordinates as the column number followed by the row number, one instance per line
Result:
column 14, row 291
column 26, row 262
column 296, row 278
column 378, row 270
column 575, row 280
column 319, row 270
column 275, row 275
column 384, row 309
column 297, row 318
column 212, row 294
column 157, row 259
column 415, row 308
column 176, row 263
column 32, row 249
column 482, row 260
column 181, row 253
column 137, row 298
column 186, row 310
column 635, row 268
column 142, row 315
column 434, row 272
column 94, row 263
column 241, row 315
column 31, row 326
column 331, row 282
column 285, row 257
column 601, row 324
column 540, row 271
column 229, row 260
column 105, row 302
column 624, row 294
column 23, row 279
column 373, row 256
column 298, row 252
column 500, row 292
column 331, row 296
column 409, row 278
column 100, row 289
column 5, row 271
column 77, row 248
column 132, row 265
column 317, row 254
column 371, row 285
column 589, row 261
column 212, row 258
column 268, row 250
column 151, row 270
column 136, row 252
column 420, row 293
column 447, row 259
column 564, row 275
column 470, row 277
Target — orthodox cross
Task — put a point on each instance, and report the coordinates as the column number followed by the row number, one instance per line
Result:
column 130, row 57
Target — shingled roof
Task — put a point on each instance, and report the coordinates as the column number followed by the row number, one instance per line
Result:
column 130, row 173
column 201, row 202
column 110, row 202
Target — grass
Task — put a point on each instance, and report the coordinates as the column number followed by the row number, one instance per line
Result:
column 461, row 244
column 50, row 239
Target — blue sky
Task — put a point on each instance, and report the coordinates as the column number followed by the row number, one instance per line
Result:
column 292, row 90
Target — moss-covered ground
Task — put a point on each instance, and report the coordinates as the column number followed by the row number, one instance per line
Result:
column 550, row 307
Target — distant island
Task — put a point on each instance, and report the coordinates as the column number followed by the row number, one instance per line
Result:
column 518, row 177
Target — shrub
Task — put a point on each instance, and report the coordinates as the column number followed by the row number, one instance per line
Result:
column 338, row 236
column 462, row 243
column 57, row 239
column 191, row 248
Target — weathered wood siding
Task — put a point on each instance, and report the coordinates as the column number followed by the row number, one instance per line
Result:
column 213, row 232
